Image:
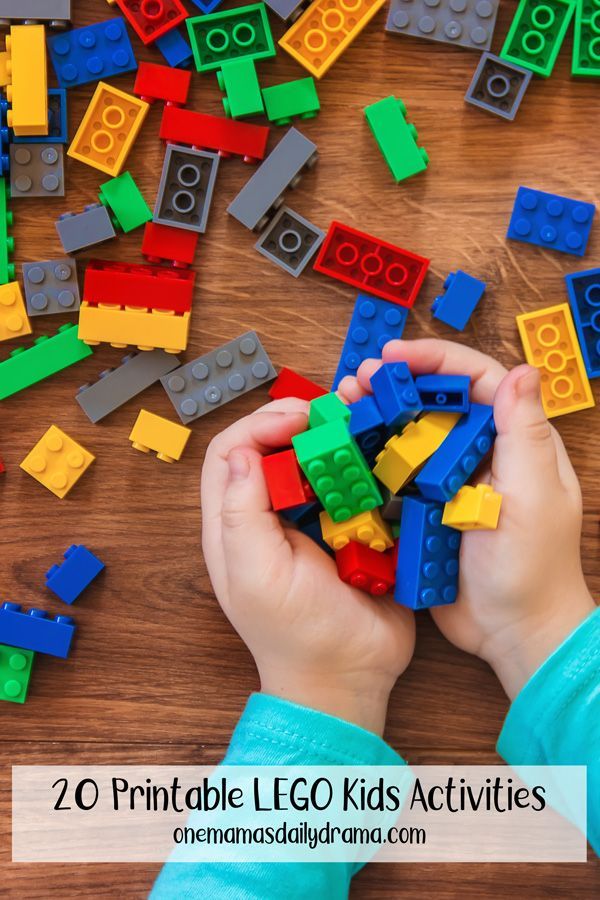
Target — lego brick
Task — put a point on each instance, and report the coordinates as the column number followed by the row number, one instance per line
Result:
column 327, row 408
column 207, row 6
column 137, row 328
column 312, row 530
column 457, row 304
column 137, row 285
column 404, row 454
column 367, row 427
column 115, row 387
column 239, row 81
column 155, row 82
column 108, row 129
column 303, row 514
column 227, row 136
column 427, row 570
column 167, row 439
column 584, row 299
column 282, row 169
column 15, row 672
column 464, row 449
column 536, row 34
column 285, row 480
column 444, row 393
column 13, row 315
column 288, row 10
column 27, row 90
column 586, row 46
column 87, row 54
column 35, row 630
column 372, row 265
column 51, row 287
column 55, row 13
column 396, row 138
column 290, row 241
column 289, row 384
column 7, row 242
column 162, row 242
column 551, row 221
column 325, row 30
column 57, row 121
column 550, row 344
column 57, row 462
column 186, row 188
column 368, row 528
column 466, row 23
column 498, row 86
column 2, row 467
column 283, row 102
column 395, row 394
column 37, row 170
column 69, row 579
column 125, row 200
column 391, row 511
column 473, row 509
column 366, row 569
column 374, row 322
column 27, row 366
column 152, row 20
column 78, row 231
column 174, row 48
column 242, row 33
column 4, row 132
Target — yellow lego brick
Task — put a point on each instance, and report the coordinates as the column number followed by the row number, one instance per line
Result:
column 325, row 30
column 4, row 76
column 57, row 461
column 27, row 89
column 108, row 129
column 147, row 330
column 550, row 343
column 368, row 528
column 166, row 438
column 14, row 321
column 473, row 509
column 404, row 454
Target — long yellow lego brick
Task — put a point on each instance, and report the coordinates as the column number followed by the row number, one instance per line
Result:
column 166, row 438
column 144, row 330
column 26, row 68
column 325, row 30
column 550, row 343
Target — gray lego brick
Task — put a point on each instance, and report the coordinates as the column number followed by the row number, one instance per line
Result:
column 40, row 10
column 214, row 379
column 51, row 286
column 37, row 170
column 116, row 386
column 391, row 510
column 288, row 10
column 262, row 193
column 464, row 23
column 290, row 241
column 86, row 229
column 498, row 86
column 186, row 188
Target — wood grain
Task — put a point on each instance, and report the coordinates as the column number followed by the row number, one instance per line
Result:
column 158, row 674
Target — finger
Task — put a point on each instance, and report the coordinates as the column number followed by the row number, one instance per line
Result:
column 566, row 472
column 349, row 390
column 366, row 370
column 285, row 404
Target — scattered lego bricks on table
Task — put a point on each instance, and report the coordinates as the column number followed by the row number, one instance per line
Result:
column 57, row 462
column 35, row 630
column 283, row 102
column 396, row 138
column 584, row 299
column 289, row 384
column 290, row 241
column 37, row 170
column 427, row 570
column 466, row 23
column 27, row 366
column 70, row 578
column 124, row 199
column 227, row 136
column 186, row 188
column 461, row 296
column 151, row 21
column 155, row 82
column 536, row 34
column 498, row 86
column 242, row 33
column 166, row 438
column 13, row 315
column 473, row 509
column 551, row 221
column 95, row 51
column 15, row 672
column 163, row 242
column 138, row 285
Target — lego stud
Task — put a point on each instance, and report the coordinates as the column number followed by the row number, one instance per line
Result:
column 244, row 34
column 153, row 9
column 498, row 85
column 315, row 41
column 217, row 40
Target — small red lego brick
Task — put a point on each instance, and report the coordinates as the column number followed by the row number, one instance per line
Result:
column 289, row 384
column 154, row 82
column 2, row 469
column 174, row 244
column 150, row 19
column 148, row 287
column 204, row 132
column 365, row 568
column 285, row 480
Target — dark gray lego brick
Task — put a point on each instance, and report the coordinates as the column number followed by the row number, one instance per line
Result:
column 186, row 188
column 391, row 510
column 464, row 23
column 290, row 241
column 37, row 170
column 498, row 86
column 51, row 287
column 86, row 229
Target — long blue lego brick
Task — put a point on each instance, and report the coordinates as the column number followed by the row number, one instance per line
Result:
column 35, row 630
column 551, row 221
column 68, row 579
column 92, row 53
column 374, row 322
column 584, row 297
column 427, row 569
column 395, row 394
column 444, row 393
column 462, row 293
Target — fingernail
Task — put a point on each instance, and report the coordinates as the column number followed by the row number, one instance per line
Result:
column 238, row 466
column 528, row 384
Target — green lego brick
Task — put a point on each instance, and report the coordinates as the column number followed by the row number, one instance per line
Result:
column 238, row 79
column 123, row 199
column 15, row 671
column 7, row 244
column 397, row 138
column 293, row 98
column 337, row 471
column 48, row 355
column 224, row 36
column 327, row 408
column 536, row 34
column 586, row 42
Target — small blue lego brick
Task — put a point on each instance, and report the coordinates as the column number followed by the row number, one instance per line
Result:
column 35, row 630
column 4, row 138
column 92, row 53
column 303, row 514
column 584, row 297
column 175, row 49
column 444, row 393
column 70, row 578
column 427, row 569
column 395, row 394
column 57, row 121
column 368, row 428
column 461, row 295
column 374, row 322
column 551, row 221
column 468, row 443
column 207, row 6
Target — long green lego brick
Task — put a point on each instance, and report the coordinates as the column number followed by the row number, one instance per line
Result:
column 7, row 244
column 293, row 98
column 586, row 41
column 239, row 81
column 125, row 202
column 47, row 356
column 337, row 471
column 397, row 138
column 15, row 672
column 536, row 34
column 233, row 34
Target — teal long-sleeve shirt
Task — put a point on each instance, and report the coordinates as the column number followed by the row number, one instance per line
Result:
column 555, row 720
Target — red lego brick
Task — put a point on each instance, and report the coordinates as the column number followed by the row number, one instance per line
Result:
column 228, row 136
column 285, row 480
column 289, row 384
column 372, row 265
column 154, row 82
column 367, row 569
column 174, row 244
column 148, row 287
column 2, row 469
column 150, row 19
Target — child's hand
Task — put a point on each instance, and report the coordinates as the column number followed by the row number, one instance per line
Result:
column 315, row 640
column 521, row 589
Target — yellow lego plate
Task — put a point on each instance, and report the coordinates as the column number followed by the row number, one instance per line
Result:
column 57, row 461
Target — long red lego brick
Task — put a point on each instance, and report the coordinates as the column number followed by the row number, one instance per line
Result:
column 289, row 384
column 155, row 82
column 372, row 265
column 150, row 19
column 164, row 242
column 228, row 136
column 148, row 287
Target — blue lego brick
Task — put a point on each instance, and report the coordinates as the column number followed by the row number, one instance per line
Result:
column 468, row 443
column 551, row 221
column 368, row 428
column 395, row 394
column 303, row 514
column 175, row 49
column 461, row 295
column 584, row 297
column 57, row 121
column 374, row 322
column 427, row 569
column 34, row 630
column 93, row 53
column 4, row 138
column 71, row 577
column 444, row 393
column 207, row 7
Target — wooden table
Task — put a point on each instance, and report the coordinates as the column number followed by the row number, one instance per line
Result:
column 158, row 675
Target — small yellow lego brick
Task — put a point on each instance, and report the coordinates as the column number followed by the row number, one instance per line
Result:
column 404, row 454
column 27, row 87
column 550, row 343
column 4, row 65
column 146, row 330
column 368, row 528
column 14, row 321
column 57, row 461
column 108, row 129
column 473, row 509
column 166, row 438
column 325, row 30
